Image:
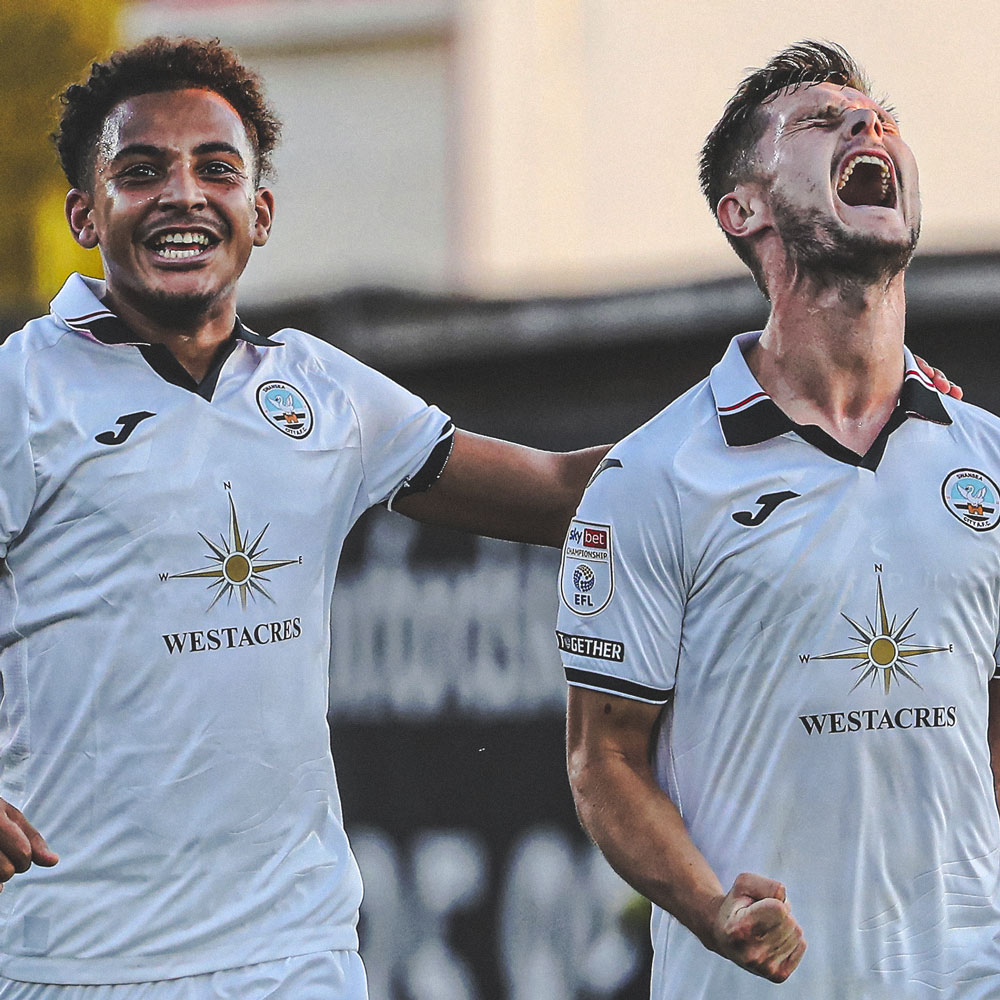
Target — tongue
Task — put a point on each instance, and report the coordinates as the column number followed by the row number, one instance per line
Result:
column 864, row 186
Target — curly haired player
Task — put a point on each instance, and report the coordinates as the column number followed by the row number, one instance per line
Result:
column 175, row 490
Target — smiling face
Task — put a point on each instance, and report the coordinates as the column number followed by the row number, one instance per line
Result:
column 840, row 182
column 173, row 205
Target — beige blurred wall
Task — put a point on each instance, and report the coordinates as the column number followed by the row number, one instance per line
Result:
column 532, row 146
column 584, row 119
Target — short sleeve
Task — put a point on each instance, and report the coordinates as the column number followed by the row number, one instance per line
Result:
column 399, row 431
column 621, row 586
column 17, row 471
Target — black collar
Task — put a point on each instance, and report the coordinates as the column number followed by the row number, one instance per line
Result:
column 760, row 421
column 111, row 330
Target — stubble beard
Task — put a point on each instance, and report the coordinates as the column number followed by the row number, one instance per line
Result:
column 831, row 255
column 178, row 310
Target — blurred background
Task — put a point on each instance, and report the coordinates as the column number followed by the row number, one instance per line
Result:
column 495, row 202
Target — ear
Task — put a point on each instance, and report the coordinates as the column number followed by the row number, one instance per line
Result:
column 743, row 212
column 79, row 207
column 264, row 203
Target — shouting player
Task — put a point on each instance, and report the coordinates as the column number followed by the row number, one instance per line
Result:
column 779, row 600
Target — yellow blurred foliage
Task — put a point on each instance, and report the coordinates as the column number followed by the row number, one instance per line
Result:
column 44, row 45
column 56, row 252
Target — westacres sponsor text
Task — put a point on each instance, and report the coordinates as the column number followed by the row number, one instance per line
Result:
column 871, row 719
column 233, row 637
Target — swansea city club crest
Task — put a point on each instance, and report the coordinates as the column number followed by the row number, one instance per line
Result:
column 973, row 498
column 285, row 407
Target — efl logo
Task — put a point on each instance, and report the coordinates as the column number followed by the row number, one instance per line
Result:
column 594, row 539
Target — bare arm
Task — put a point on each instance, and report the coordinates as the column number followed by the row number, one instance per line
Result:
column 993, row 734
column 506, row 490
column 643, row 836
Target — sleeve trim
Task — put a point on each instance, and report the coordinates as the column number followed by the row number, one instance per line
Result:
column 430, row 472
column 576, row 677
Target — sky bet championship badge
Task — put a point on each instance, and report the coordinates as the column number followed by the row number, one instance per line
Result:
column 286, row 408
column 587, row 577
column 973, row 498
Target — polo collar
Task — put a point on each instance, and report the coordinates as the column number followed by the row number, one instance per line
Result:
column 748, row 415
column 78, row 305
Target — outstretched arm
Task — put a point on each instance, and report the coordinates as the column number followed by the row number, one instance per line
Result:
column 505, row 490
column 643, row 836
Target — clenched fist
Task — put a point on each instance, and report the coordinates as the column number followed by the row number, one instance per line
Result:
column 754, row 928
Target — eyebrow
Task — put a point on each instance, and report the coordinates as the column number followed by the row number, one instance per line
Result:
column 218, row 147
column 147, row 149
column 136, row 149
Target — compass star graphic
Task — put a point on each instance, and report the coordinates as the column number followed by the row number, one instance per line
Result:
column 883, row 647
column 239, row 567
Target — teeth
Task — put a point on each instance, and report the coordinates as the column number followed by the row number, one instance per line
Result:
column 866, row 158
column 174, row 254
column 200, row 238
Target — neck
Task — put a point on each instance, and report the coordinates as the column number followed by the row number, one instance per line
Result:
column 832, row 355
column 191, row 333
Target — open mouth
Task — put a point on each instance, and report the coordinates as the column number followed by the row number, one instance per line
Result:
column 866, row 179
column 180, row 245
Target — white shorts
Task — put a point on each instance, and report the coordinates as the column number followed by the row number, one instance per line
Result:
column 327, row 975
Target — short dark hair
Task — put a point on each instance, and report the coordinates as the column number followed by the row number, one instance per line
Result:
column 160, row 64
column 727, row 157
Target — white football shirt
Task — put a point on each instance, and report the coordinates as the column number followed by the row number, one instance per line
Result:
column 170, row 556
column 821, row 628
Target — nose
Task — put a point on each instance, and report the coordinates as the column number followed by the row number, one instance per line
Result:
column 862, row 120
column 182, row 188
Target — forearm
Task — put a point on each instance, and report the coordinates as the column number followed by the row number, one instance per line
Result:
column 643, row 836
column 641, row 833
column 504, row 490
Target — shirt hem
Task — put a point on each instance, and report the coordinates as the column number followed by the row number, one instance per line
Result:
column 121, row 970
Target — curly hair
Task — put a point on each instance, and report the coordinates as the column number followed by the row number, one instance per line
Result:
column 160, row 64
column 727, row 156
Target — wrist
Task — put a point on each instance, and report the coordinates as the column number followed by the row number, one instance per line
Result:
column 704, row 918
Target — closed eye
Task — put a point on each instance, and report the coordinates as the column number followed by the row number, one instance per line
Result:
column 828, row 118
